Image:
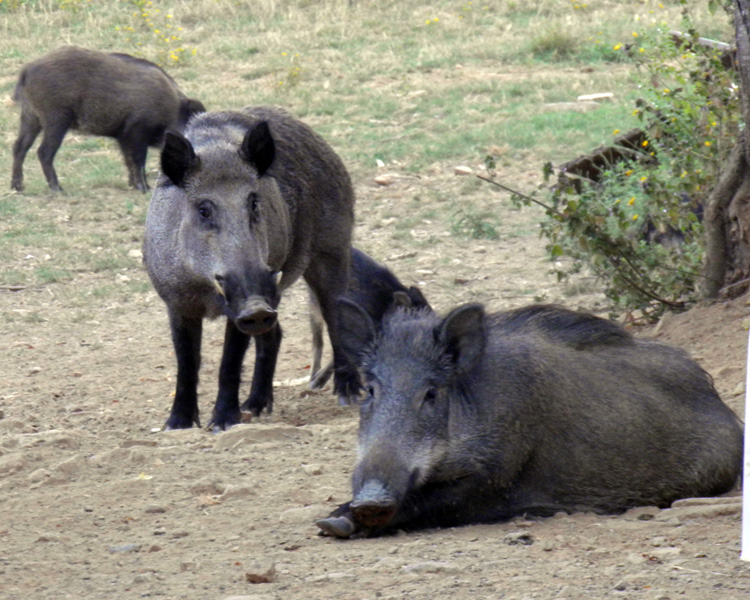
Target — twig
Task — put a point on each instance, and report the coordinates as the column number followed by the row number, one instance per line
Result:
column 12, row 288
column 517, row 193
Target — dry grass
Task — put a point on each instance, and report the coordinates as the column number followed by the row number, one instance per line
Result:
column 419, row 87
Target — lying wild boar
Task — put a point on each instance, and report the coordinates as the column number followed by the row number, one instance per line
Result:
column 114, row 95
column 249, row 202
column 374, row 288
column 478, row 418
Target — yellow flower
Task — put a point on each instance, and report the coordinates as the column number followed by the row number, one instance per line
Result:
column 635, row 34
column 641, row 50
column 615, row 132
column 283, row 54
column 644, row 178
column 635, row 217
column 645, row 143
column 707, row 143
column 617, row 47
column 629, row 172
column 666, row 90
column 631, row 201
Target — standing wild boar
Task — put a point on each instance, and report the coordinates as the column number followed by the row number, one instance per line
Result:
column 373, row 287
column 114, row 95
column 478, row 418
column 249, row 202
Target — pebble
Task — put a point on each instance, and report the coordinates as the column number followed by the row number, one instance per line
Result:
column 384, row 179
column 124, row 548
column 518, row 538
column 264, row 572
column 312, row 469
column 431, row 567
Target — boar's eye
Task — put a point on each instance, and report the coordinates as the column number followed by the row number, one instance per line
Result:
column 205, row 210
column 430, row 395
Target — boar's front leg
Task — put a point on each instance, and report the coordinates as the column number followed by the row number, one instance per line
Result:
column 227, row 409
column 266, row 353
column 186, row 337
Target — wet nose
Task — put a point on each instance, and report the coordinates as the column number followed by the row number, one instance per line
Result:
column 257, row 322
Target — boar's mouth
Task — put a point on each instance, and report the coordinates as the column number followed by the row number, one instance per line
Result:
column 374, row 505
column 252, row 314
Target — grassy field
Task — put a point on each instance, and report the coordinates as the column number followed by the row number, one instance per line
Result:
column 415, row 88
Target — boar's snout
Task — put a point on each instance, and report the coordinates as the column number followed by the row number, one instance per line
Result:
column 257, row 320
column 373, row 505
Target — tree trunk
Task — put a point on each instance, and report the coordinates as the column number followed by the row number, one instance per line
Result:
column 727, row 212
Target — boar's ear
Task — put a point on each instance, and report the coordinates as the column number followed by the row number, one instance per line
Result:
column 417, row 298
column 462, row 333
column 178, row 157
column 355, row 328
column 258, row 147
column 402, row 300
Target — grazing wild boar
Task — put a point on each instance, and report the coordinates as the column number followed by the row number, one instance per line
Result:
column 114, row 95
column 478, row 418
column 249, row 202
column 373, row 287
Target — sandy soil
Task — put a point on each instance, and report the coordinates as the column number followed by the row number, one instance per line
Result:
column 97, row 503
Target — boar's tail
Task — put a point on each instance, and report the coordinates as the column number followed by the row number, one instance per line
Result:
column 19, row 86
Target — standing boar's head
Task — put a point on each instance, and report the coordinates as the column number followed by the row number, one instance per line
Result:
column 233, row 234
column 413, row 371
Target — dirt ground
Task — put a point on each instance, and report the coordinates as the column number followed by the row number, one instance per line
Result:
column 96, row 502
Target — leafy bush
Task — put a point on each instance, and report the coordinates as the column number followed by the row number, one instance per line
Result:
column 638, row 226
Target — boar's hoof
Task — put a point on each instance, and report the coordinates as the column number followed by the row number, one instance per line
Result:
column 341, row 527
column 221, row 422
column 181, row 422
column 257, row 323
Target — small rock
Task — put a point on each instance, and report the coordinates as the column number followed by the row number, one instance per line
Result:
column 519, row 538
column 384, row 179
column 740, row 389
column 261, row 573
column 155, row 509
column 431, row 567
column 154, row 548
column 463, row 171
column 188, row 565
column 49, row 537
column 313, row 469
column 124, row 548
column 239, row 491
column 34, row 371
column 594, row 97
column 135, row 253
column 621, row 586
column 160, row 531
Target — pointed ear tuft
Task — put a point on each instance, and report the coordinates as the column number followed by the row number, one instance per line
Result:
column 463, row 334
column 258, row 147
column 178, row 157
column 356, row 329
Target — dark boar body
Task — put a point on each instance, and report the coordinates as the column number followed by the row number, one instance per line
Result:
column 479, row 418
column 114, row 95
column 373, row 287
column 249, row 202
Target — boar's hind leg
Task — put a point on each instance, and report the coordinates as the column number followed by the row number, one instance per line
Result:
column 186, row 336
column 30, row 128
column 227, row 408
column 134, row 147
column 54, row 133
column 266, row 353
column 328, row 284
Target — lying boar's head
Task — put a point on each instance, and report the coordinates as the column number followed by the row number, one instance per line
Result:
column 415, row 372
column 234, row 225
